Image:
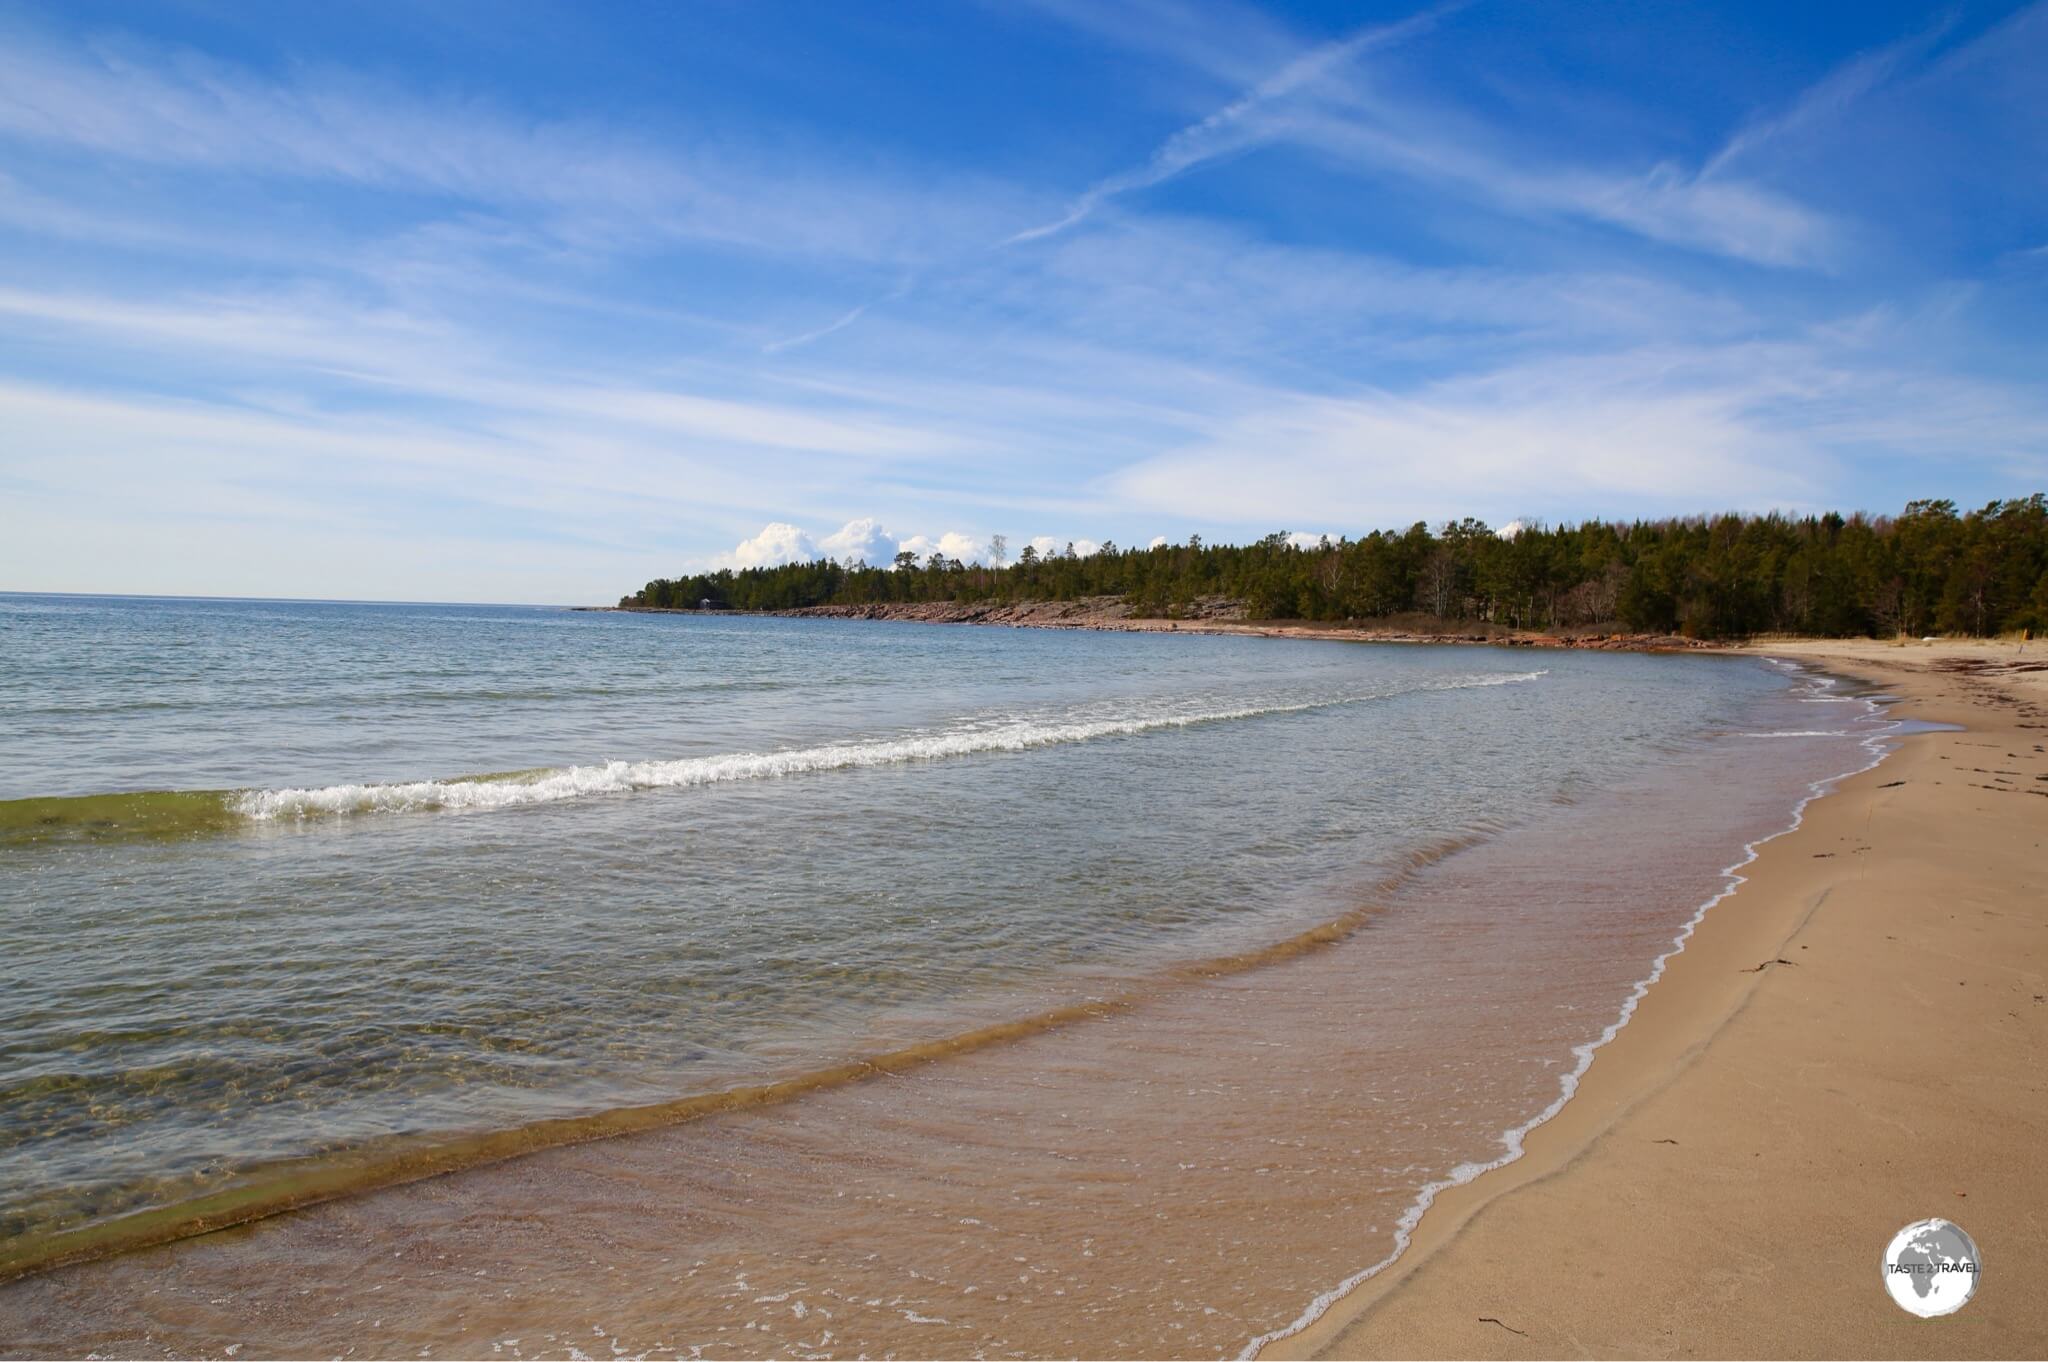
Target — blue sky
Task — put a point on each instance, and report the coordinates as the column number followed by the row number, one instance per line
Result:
column 534, row 302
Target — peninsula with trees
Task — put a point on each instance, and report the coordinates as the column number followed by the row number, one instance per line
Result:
column 1930, row 569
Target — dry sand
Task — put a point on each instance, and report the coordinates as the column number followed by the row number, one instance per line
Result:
column 1728, row 1177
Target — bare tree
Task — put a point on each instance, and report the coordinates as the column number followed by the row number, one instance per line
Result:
column 1440, row 582
column 1888, row 607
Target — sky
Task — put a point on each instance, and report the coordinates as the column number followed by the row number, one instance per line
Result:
column 535, row 302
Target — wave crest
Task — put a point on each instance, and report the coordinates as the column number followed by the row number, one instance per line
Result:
column 620, row 777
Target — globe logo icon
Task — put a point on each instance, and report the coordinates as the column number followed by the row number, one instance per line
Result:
column 1930, row 1268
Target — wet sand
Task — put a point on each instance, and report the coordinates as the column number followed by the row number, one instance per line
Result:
column 1855, row 1040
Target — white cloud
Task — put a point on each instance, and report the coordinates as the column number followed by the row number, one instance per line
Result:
column 1302, row 539
column 1741, row 220
column 1585, row 435
column 1829, row 98
column 867, row 541
column 1183, row 283
column 967, row 548
column 951, row 544
column 776, row 544
column 1669, row 430
column 581, row 181
column 1318, row 102
column 1159, row 541
column 863, row 540
column 396, row 351
column 1048, row 546
column 1232, row 128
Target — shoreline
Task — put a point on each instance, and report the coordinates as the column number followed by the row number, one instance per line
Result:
column 1606, row 1191
column 1878, row 748
column 1213, row 615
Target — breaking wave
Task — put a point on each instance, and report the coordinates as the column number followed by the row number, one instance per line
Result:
column 187, row 812
column 620, row 777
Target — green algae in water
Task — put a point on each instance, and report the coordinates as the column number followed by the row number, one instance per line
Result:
column 168, row 815
column 142, row 815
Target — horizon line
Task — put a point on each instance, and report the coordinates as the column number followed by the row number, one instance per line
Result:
column 282, row 600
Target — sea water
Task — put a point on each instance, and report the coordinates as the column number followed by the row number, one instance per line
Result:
column 289, row 888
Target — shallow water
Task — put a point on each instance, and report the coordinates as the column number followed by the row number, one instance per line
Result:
column 824, row 840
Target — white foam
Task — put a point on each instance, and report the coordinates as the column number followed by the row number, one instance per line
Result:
column 619, row 777
column 1512, row 1141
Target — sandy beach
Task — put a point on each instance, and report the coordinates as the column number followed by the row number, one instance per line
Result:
column 1851, row 1042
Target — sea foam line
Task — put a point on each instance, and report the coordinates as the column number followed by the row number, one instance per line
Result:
column 619, row 777
column 1513, row 1140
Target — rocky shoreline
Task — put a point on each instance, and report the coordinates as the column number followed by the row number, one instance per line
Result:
column 1207, row 615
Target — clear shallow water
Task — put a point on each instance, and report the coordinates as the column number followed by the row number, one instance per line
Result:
column 744, row 849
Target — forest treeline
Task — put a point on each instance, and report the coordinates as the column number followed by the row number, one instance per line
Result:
column 1930, row 569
